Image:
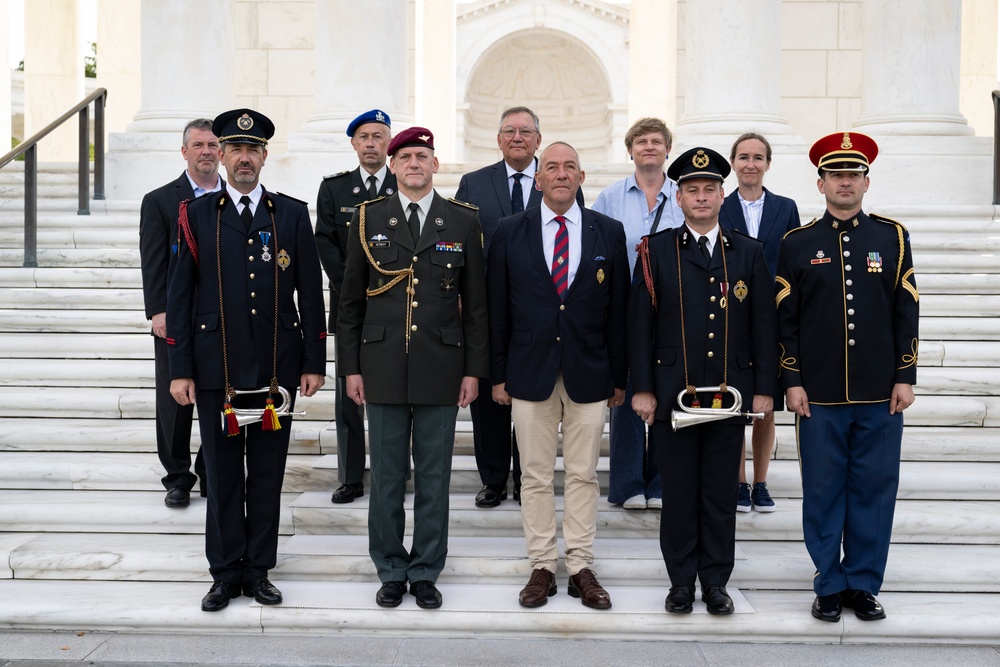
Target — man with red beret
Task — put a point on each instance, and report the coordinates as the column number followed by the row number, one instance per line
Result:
column 412, row 343
column 847, row 319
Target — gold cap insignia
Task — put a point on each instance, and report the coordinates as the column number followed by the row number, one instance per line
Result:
column 600, row 276
column 700, row 160
column 244, row 122
column 846, row 143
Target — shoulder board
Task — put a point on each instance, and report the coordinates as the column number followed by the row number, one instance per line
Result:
column 799, row 229
column 282, row 194
column 882, row 218
column 465, row 204
column 338, row 175
column 372, row 201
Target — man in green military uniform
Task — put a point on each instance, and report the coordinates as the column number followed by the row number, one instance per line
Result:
column 412, row 343
column 339, row 196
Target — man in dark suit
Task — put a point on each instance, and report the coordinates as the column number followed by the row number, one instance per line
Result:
column 756, row 211
column 700, row 315
column 157, row 247
column 244, row 311
column 558, row 285
column 339, row 196
column 412, row 343
column 500, row 190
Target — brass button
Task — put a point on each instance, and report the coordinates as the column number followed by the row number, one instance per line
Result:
column 711, row 336
column 712, row 299
column 349, row 224
column 413, row 328
column 251, row 258
column 416, row 281
column 249, row 241
column 558, row 339
column 562, row 306
column 711, row 354
column 415, row 304
column 252, row 276
column 448, row 265
column 850, row 311
column 253, row 295
column 253, row 311
column 415, row 258
column 202, row 327
column 711, row 316
column 711, row 279
column 295, row 325
column 851, row 326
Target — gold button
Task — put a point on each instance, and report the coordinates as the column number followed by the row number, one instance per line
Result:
column 413, row 328
column 349, row 224
column 415, row 258
column 712, row 299
column 249, row 241
column 448, row 265
column 251, row 258
column 295, row 325
column 711, row 316
column 711, row 336
column 253, row 311
column 252, row 276
column 202, row 327
column 416, row 281
column 415, row 304
column 378, row 263
column 558, row 339
column 711, row 279
column 562, row 306
column 711, row 354
column 253, row 295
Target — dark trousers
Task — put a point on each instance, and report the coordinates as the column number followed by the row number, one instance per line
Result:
column 850, row 474
column 241, row 525
column 173, row 428
column 349, row 417
column 700, row 465
column 495, row 442
column 389, row 432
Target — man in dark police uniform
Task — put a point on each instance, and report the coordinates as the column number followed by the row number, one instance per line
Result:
column 847, row 312
column 339, row 196
column 232, row 324
column 700, row 315
column 412, row 343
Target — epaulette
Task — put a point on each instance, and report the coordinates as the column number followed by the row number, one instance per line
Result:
column 882, row 218
column 282, row 194
column 798, row 229
column 464, row 203
column 337, row 175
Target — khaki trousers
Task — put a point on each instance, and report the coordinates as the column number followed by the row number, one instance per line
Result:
column 537, row 425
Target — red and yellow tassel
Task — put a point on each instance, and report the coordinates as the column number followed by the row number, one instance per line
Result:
column 232, row 425
column 717, row 402
column 269, row 420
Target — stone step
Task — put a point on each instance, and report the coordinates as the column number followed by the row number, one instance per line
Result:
column 120, row 278
column 349, row 607
column 620, row 562
column 73, row 257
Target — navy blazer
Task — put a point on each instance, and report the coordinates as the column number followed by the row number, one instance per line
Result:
column 488, row 189
column 780, row 216
column 533, row 335
column 157, row 236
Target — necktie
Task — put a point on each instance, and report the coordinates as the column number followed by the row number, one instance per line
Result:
column 560, row 259
column 413, row 221
column 372, row 191
column 703, row 242
column 246, row 215
column 517, row 195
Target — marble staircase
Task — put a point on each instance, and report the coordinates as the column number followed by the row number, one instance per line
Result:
column 86, row 542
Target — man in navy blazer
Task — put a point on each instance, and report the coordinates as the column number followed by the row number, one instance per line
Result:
column 557, row 285
column 500, row 190
column 756, row 211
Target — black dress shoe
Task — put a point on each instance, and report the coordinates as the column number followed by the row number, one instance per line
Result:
column 491, row 495
column 262, row 590
column 517, row 494
column 177, row 496
column 391, row 594
column 680, row 599
column 219, row 595
column 827, row 607
column 203, row 488
column 864, row 604
column 717, row 600
column 427, row 594
column 347, row 493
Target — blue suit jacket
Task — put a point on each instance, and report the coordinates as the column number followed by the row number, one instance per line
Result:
column 533, row 335
column 779, row 217
column 487, row 188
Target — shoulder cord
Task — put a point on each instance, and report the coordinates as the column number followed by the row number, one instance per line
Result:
column 690, row 388
column 397, row 274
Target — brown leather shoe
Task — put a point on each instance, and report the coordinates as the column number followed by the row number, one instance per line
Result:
column 541, row 586
column 584, row 585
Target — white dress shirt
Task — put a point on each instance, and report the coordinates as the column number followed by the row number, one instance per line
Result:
column 254, row 195
column 424, row 206
column 713, row 236
column 574, row 227
column 752, row 210
column 527, row 182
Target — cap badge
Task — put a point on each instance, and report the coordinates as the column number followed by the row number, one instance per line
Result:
column 700, row 160
column 380, row 117
column 424, row 137
column 600, row 276
column 244, row 122
column 846, row 143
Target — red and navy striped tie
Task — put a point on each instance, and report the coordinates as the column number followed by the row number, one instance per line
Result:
column 560, row 259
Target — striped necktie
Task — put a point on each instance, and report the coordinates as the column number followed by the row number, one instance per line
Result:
column 560, row 259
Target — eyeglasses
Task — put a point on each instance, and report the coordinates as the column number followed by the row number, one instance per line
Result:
column 526, row 132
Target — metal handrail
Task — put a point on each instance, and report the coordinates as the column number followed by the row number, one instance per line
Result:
column 996, row 147
column 29, row 148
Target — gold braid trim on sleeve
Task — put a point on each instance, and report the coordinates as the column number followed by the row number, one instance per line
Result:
column 787, row 363
column 910, row 359
column 786, row 289
column 902, row 249
column 397, row 275
column 910, row 287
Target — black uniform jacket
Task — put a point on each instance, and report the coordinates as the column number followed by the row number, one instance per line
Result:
column 194, row 322
column 533, row 335
column 339, row 196
column 447, row 327
column 847, row 309
column 158, row 239
column 656, row 356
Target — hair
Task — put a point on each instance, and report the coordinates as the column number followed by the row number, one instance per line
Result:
column 561, row 143
column 196, row 124
column 513, row 110
column 648, row 126
column 750, row 135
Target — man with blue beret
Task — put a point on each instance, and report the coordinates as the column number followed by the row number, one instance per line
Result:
column 339, row 196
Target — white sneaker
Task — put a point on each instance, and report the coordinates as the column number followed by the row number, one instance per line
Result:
column 654, row 504
column 635, row 503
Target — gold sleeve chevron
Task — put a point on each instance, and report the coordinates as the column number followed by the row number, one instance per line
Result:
column 786, row 289
column 910, row 287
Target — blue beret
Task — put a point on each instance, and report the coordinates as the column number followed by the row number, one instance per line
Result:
column 373, row 116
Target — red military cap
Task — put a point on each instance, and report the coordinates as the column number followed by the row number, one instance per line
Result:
column 412, row 136
column 843, row 151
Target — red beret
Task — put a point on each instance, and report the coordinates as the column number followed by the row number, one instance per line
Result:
column 844, row 151
column 412, row 136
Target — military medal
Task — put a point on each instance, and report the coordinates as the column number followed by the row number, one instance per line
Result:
column 265, row 252
column 283, row 259
column 600, row 276
column 724, row 288
column 740, row 290
column 874, row 262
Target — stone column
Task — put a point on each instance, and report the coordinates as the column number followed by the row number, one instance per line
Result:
column 979, row 64
column 435, row 75
column 910, row 73
column 118, row 42
column 652, row 60
column 5, row 67
column 53, row 75
column 722, row 96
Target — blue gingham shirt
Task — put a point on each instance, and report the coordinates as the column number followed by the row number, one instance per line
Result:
column 626, row 202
